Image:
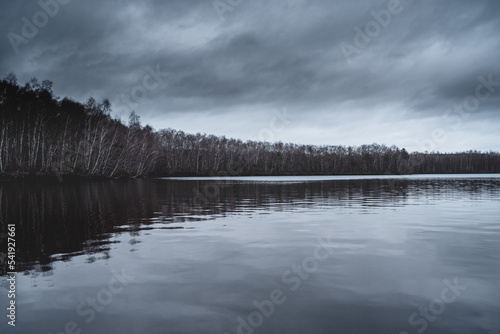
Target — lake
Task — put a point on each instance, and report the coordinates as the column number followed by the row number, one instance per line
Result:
column 333, row 254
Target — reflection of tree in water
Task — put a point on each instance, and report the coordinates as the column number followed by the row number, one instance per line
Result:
column 55, row 222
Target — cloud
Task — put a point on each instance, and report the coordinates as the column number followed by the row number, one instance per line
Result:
column 267, row 55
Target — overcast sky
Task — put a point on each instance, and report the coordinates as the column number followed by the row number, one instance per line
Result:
column 424, row 75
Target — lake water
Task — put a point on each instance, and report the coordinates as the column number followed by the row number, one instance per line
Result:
column 415, row 254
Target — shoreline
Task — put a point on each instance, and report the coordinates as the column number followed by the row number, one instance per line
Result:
column 26, row 176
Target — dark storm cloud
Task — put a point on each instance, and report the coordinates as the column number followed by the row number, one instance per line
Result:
column 266, row 55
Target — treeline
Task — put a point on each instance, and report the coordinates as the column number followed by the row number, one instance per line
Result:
column 41, row 133
column 210, row 155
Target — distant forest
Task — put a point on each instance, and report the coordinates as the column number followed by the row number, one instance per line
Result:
column 43, row 134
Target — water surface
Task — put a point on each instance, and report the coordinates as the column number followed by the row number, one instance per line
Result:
column 203, row 255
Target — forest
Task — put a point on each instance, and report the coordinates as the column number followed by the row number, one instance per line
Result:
column 41, row 134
